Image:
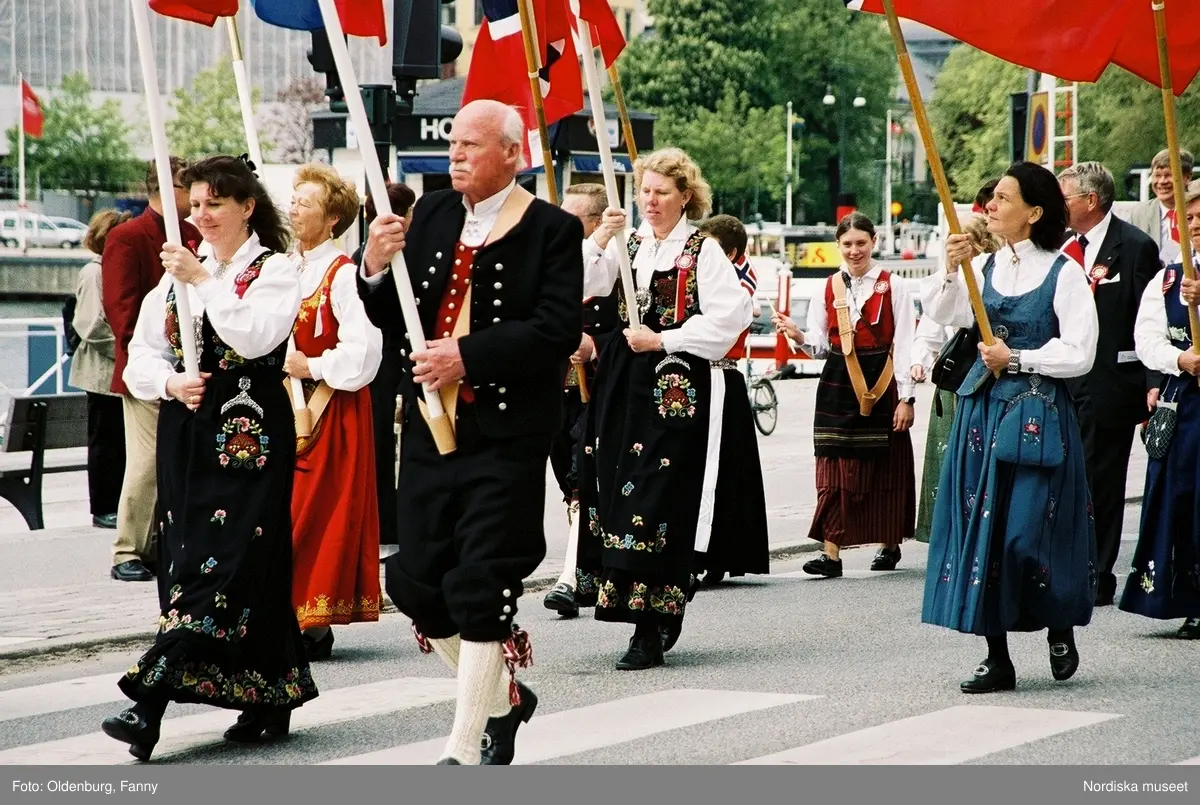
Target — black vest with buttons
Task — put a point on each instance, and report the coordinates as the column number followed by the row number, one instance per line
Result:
column 526, row 318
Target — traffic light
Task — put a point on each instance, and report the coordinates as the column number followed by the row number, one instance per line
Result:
column 422, row 44
column 320, row 56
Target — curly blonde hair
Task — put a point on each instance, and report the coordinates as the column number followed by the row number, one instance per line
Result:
column 982, row 241
column 675, row 164
column 339, row 198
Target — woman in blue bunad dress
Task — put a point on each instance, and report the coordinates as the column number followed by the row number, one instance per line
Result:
column 228, row 635
column 1013, row 543
column 1164, row 581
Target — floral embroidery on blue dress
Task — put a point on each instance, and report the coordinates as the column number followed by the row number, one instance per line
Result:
column 218, row 517
column 208, row 565
column 627, row 488
column 242, row 443
column 674, row 396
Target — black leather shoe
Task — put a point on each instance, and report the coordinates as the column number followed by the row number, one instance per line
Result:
column 132, row 570
column 824, row 566
column 128, row 727
column 669, row 633
column 500, row 735
column 321, row 649
column 1064, row 660
column 561, row 599
column 644, row 652
column 448, row 761
column 712, row 578
column 259, row 726
column 990, row 677
column 886, row 558
column 104, row 520
column 1190, row 630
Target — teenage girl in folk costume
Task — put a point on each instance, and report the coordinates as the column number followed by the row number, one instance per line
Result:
column 1013, row 544
column 226, row 455
column 338, row 351
column 866, row 487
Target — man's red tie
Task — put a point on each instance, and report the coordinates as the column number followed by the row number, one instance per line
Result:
column 1174, row 225
column 1075, row 249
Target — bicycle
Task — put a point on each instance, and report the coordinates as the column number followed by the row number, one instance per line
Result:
column 763, row 402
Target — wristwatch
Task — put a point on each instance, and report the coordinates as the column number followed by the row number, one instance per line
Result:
column 909, row 400
column 1014, row 362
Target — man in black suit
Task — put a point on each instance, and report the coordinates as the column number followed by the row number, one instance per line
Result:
column 1119, row 392
column 470, row 522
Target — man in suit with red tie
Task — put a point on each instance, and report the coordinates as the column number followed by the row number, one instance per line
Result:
column 1118, row 393
column 1157, row 217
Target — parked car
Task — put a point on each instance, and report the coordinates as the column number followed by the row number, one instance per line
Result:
column 70, row 224
column 40, row 231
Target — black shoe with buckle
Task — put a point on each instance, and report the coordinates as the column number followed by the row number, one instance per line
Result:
column 886, row 558
column 260, row 726
column 322, row 649
column 104, row 520
column 1190, row 630
column 128, row 727
column 499, row 743
column 1064, row 660
column 991, row 676
column 133, row 570
column 561, row 599
column 824, row 566
column 645, row 651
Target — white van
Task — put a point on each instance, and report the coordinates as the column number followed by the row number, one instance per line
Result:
column 40, row 231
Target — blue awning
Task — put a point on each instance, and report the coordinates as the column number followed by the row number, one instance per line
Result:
column 591, row 164
column 422, row 165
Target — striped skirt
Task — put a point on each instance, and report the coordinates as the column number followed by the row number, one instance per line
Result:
column 867, row 501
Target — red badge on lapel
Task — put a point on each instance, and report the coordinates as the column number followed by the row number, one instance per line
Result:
column 1168, row 280
column 1098, row 272
column 881, row 287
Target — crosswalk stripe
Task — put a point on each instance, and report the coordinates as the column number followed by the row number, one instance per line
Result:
column 946, row 737
column 582, row 729
column 54, row 697
column 848, row 573
column 1190, row 762
column 192, row 732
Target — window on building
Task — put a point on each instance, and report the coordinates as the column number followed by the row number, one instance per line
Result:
column 628, row 25
column 450, row 13
column 479, row 12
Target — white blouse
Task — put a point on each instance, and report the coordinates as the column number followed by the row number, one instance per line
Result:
column 928, row 341
column 1019, row 269
column 352, row 364
column 252, row 325
column 725, row 307
column 1150, row 330
column 816, row 336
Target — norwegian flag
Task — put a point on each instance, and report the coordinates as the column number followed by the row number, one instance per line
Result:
column 205, row 12
column 746, row 275
column 498, row 67
column 32, row 117
column 606, row 31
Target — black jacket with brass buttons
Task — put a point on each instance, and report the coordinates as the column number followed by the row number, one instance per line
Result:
column 525, row 312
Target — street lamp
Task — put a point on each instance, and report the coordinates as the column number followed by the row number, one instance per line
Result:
column 829, row 100
column 859, row 100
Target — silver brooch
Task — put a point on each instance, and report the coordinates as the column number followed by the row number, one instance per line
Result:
column 243, row 398
column 642, row 296
column 1001, row 332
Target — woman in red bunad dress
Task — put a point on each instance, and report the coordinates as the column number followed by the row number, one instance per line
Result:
column 335, row 514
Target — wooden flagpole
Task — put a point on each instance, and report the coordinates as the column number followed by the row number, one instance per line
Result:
column 533, row 62
column 935, row 166
column 166, row 182
column 246, row 100
column 440, row 426
column 606, row 165
column 619, row 96
column 1177, row 179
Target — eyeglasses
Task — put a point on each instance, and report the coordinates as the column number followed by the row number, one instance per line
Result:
column 1077, row 195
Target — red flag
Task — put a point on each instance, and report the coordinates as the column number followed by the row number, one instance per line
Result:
column 1074, row 40
column 31, row 111
column 204, row 12
column 498, row 67
column 606, row 31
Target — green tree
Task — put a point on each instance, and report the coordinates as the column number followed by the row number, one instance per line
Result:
column 84, row 146
column 208, row 119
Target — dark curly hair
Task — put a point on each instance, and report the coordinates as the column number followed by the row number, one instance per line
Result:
column 1039, row 188
column 231, row 177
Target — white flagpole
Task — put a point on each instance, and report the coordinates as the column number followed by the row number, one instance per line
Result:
column 441, row 428
column 21, row 160
column 245, row 98
column 592, row 75
column 166, row 182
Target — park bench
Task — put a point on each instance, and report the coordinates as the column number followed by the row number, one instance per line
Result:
column 45, row 433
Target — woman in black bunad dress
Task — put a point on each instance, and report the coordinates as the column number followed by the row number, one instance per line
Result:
column 227, row 634
column 648, row 459
column 1164, row 579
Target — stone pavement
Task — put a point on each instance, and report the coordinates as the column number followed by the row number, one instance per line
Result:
column 61, row 599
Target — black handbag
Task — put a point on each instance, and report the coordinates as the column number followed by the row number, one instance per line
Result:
column 1158, row 432
column 956, row 358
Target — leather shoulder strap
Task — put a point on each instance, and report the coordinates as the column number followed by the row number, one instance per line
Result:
column 514, row 208
column 842, row 309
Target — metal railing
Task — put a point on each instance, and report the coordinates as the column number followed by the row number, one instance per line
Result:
column 15, row 336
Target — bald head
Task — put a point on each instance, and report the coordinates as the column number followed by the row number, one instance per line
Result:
column 485, row 148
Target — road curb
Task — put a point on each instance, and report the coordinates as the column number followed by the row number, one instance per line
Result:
column 46, row 650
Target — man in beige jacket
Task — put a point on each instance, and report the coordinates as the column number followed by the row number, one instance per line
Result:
column 1157, row 217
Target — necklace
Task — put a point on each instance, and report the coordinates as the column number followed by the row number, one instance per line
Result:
column 222, row 267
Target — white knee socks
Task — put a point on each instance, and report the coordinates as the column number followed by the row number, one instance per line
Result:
column 448, row 649
column 568, row 574
column 480, row 675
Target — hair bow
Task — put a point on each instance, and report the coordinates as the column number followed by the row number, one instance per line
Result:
column 249, row 163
